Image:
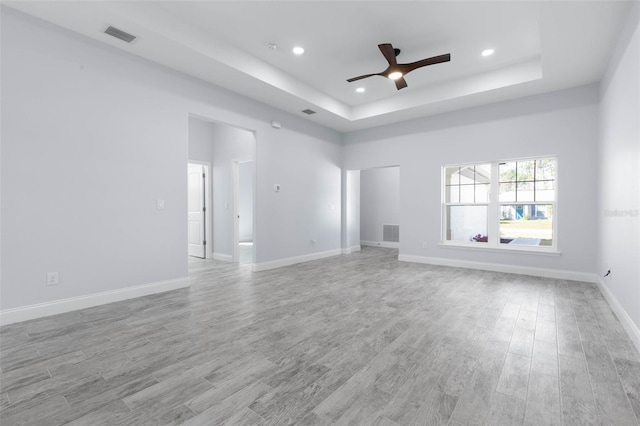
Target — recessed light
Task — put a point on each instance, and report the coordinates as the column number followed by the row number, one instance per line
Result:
column 360, row 89
column 395, row 75
column 298, row 50
column 487, row 52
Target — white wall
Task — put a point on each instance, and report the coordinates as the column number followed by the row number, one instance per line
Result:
column 379, row 201
column 245, row 201
column 201, row 135
column 86, row 153
column 92, row 136
column 619, row 171
column 308, row 206
column 561, row 123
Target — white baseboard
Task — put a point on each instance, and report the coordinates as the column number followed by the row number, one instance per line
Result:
column 223, row 257
column 625, row 319
column 264, row 266
column 24, row 313
column 385, row 244
column 498, row 267
column 351, row 249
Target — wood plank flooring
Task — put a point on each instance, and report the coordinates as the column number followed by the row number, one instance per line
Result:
column 360, row 339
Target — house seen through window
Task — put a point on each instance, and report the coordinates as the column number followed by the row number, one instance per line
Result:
column 500, row 204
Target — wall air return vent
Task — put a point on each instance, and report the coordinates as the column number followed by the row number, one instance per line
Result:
column 391, row 233
column 308, row 111
column 119, row 34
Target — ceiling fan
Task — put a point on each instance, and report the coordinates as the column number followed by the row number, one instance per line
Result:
column 396, row 71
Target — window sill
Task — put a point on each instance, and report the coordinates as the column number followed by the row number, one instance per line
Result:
column 499, row 249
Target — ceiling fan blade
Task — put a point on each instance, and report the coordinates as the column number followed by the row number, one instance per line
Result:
column 360, row 77
column 388, row 52
column 400, row 83
column 424, row 62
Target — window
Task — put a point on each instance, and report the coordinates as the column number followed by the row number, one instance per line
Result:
column 467, row 201
column 501, row 204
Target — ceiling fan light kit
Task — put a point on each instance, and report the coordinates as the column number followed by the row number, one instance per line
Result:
column 396, row 71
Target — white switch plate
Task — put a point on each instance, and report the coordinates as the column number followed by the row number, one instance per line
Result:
column 424, row 244
column 160, row 204
column 53, row 278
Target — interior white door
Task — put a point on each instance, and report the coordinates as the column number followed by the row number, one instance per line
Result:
column 196, row 211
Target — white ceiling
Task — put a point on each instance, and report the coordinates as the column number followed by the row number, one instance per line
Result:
column 540, row 46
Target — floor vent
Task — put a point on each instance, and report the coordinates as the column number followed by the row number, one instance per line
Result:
column 391, row 233
column 119, row 34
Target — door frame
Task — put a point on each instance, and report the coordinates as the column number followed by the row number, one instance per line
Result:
column 208, row 196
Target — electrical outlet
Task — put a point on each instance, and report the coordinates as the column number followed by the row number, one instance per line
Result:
column 424, row 244
column 52, row 278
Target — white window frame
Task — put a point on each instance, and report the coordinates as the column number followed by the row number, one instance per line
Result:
column 494, row 212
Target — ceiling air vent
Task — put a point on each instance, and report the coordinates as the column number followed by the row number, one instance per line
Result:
column 112, row 31
column 308, row 111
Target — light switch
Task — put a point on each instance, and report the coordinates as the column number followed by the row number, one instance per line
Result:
column 159, row 204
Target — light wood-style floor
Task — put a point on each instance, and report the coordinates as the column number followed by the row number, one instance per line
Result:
column 360, row 339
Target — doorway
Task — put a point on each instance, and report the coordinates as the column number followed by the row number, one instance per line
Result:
column 372, row 202
column 198, row 223
column 380, row 207
column 243, row 196
column 220, row 146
